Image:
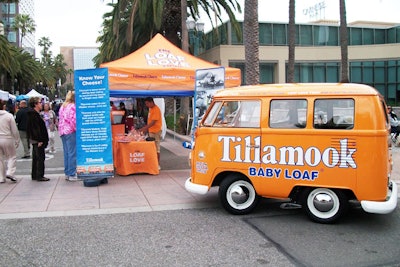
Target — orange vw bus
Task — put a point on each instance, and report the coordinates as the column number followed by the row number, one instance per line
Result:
column 319, row 145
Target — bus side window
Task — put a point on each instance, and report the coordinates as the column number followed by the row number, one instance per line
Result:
column 334, row 114
column 288, row 113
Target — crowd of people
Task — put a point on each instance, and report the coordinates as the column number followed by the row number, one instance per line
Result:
column 35, row 125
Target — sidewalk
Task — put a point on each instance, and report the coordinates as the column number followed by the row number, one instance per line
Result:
column 134, row 193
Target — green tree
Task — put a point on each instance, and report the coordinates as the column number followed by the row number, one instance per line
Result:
column 45, row 43
column 29, row 70
column 132, row 23
column 53, row 69
column 291, row 41
column 7, row 63
column 24, row 24
column 6, row 57
column 251, row 42
column 343, row 43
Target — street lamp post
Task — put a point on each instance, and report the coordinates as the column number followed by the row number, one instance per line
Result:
column 196, row 30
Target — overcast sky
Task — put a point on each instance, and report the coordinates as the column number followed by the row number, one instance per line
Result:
column 78, row 22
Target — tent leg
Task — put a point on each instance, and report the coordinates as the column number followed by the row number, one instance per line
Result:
column 174, row 117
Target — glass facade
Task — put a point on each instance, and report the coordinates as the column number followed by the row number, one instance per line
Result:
column 8, row 12
column 275, row 34
column 83, row 58
column 267, row 71
column 384, row 74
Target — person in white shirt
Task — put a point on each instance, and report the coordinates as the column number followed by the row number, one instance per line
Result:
column 9, row 141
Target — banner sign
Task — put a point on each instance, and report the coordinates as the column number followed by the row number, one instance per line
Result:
column 208, row 82
column 93, row 124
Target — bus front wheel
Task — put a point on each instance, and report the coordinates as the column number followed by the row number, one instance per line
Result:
column 237, row 195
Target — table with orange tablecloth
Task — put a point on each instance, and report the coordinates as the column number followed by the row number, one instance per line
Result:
column 135, row 157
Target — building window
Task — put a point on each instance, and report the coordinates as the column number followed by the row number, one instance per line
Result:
column 355, row 72
column 379, row 36
column 321, row 35
column 8, row 9
column 332, row 72
column 267, row 72
column 306, row 36
column 319, row 73
column 265, row 34
column 391, row 36
column 368, row 36
column 12, row 37
column 355, row 36
column 368, row 72
column 279, row 34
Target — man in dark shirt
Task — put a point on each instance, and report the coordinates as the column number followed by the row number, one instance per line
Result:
column 21, row 118
column 38, row 137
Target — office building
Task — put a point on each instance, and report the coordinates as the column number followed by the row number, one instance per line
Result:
column 78, row 58
column 373, row 52
column 8, row 12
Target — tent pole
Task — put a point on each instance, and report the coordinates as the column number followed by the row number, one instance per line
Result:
column 174, row 117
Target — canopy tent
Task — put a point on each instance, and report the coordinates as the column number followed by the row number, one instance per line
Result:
column 33, row 93
column 4, row 95
column 159, row 68
column 22, row 97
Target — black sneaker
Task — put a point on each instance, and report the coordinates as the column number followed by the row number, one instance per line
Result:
column 13, row 179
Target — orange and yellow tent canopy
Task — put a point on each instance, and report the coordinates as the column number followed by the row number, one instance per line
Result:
column 159, row 68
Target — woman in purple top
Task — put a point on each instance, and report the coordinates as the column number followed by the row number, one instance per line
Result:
column 67, row 131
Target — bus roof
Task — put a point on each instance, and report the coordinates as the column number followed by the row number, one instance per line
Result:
column 299, row 89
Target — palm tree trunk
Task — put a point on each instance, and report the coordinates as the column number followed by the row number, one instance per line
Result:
column 344, row 43
column 251, row 42
column 185, row 47
column 291, row 41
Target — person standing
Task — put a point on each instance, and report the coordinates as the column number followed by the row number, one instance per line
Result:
column 154, row 124
column 50, row 119
column 9, row 141
column 37, row 134
column 67, row 131
column 112, row 106
column 394, row 123
column 123, row 119
column 21, row 118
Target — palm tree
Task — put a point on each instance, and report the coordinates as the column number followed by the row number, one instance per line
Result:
column 132, row 23
column 251, row 42
column 29, row 72
column 129, row 26
column 6, row 56
column 45, row 43
column 25, row 24
column 291, row 41
column 343, row 43
column 6, row 61
column 60, row 69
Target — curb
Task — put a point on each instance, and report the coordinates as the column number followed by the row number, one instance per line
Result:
column 175, row 135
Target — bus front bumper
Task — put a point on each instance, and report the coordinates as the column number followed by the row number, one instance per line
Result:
column 196, row 188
